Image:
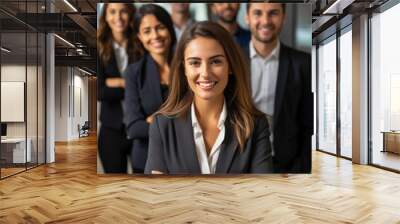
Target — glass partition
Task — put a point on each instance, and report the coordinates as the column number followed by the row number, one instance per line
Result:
column 31, row 98
column 346, row 93
column 385, row 89
column 14, row 152
column 327, row 96
column 22, row 88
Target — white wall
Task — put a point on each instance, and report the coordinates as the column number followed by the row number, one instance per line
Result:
column 71, row 102
column 82, row 82
column 16, row 73
column 61, row 103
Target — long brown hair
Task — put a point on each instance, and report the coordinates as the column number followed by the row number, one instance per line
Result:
column 105, row 39
column 241, row 111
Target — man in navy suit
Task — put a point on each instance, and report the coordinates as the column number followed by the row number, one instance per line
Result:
column 281, row 88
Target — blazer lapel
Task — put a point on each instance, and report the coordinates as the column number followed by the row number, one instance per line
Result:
column 228, row 150
column 281, row 82
column 154, row 80
column 186, row 145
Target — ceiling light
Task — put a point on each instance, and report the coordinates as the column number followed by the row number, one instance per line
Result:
column 70, row 5
column 65, row 41
column 337, row 7
column 5, row 50
column 84, row 71
column 333, row 6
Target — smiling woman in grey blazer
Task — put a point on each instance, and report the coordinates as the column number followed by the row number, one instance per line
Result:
column 208, row 124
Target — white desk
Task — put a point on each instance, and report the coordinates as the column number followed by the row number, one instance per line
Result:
column 18, row 149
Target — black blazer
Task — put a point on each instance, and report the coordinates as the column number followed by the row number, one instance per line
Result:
column 293, row 112
column 172, row 148
column 111, row 114
column 143, row 97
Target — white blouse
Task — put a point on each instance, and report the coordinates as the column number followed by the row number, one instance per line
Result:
column 121, row 56
column 208, row 163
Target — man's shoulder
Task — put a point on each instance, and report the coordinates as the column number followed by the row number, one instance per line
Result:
column 243, row 32
column 294, row 53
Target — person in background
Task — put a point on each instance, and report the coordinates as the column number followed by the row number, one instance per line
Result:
column 226, row 14
column 281, row 88
column 147, row 80
column 115, row 48
column 209, row 124
column 180, row 17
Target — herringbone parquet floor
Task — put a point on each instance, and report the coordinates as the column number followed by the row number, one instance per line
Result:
column 70, row 191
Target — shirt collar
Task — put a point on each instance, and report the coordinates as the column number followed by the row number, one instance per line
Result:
column 274, row 54
column 116, row 46
column 221, row 120
column 188, row 23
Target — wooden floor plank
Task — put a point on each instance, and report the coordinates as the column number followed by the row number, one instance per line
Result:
column 70, row 191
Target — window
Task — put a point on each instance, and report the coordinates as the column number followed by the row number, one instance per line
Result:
column 346, row 93
column 327, row 96
column 385, row 89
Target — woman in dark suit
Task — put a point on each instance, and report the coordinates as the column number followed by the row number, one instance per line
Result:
column 115, row 43
column 208, row 124
column 147, row 80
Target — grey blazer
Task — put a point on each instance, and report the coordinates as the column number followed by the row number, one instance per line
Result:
column 172, row 148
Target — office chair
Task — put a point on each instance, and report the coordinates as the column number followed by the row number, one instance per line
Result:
column 84, row 130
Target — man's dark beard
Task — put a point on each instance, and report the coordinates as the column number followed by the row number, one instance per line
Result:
column 233, row 20
column 183, row 11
